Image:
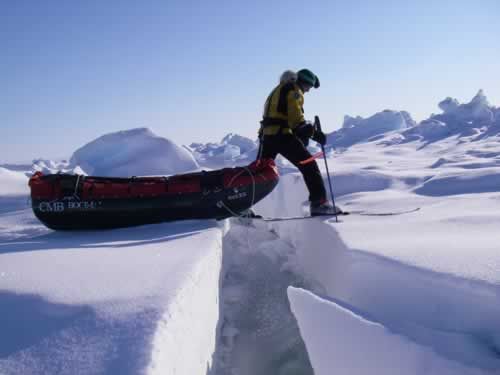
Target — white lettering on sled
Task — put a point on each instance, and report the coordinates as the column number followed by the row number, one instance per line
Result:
column 84, row 205
column 243, row 194
column 71, row 205
column 51, row 206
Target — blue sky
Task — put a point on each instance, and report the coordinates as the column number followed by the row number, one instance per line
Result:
column 194, row 71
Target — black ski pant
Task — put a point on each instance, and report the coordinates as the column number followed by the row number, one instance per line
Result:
column 292, row 148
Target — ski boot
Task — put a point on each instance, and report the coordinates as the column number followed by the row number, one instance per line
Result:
column 324, row 207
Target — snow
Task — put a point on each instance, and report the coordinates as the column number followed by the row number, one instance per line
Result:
column 14, row 190
column 111, row 302
column 13, row 183
column 416, row 293
column 357, row 347
column 478, row 110
column 463, row 182
column 52, row 167
column 428, row 129
column 243, row 143
column 357, row 129
column 233, row 150
column 136, row 152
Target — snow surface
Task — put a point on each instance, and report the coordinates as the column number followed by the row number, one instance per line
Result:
column 136, row 152
column 52, row 167
column 356, row 349
column 233, row 150
column 13, row 183
column 476, row 118
column 13, row 190
column 417, row 293
column 123, row 301
column 358, row 129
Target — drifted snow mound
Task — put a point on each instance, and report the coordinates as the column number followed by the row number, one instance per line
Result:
column 13, row 183
column 243, row 143
column 348, row 342
column 229, row 145
column 358, row 129
column 233, row 149
column 429, row 130
column 135, row 152
column 470, row 119
column 476, row 118
column 477, row 112
column 473, row 181
column 496, row 111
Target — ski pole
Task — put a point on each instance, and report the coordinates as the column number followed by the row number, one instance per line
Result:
column 317, row 125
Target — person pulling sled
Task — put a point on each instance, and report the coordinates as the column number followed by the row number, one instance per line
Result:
column 284, row 131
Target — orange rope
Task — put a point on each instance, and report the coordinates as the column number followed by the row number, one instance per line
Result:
column 314, row 157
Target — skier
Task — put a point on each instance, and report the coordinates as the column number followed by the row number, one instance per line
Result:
column 284, row 131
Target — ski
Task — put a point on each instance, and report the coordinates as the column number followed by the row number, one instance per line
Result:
column 287, row 218
column 344, row 213
column 389, row 213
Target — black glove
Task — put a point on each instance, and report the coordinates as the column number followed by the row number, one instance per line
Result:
column 304, row 130
column 319, row 137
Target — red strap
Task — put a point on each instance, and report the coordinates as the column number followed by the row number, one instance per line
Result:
column 314, row 157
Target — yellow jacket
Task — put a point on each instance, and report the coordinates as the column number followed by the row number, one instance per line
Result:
column 283, row 109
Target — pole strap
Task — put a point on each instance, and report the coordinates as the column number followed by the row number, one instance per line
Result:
column 312, row 158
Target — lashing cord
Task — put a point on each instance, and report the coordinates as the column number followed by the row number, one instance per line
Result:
column 247, row 213
column 75, row 193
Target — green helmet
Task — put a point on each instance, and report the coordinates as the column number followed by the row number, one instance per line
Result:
column 306, row 76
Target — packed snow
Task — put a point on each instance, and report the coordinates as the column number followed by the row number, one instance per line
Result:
column 136, row 152
column 51, row 167
column 355, row 350
column 13, row 183
column 13, row 190
column 232, row 150
column 414, row 293
column 359, row 129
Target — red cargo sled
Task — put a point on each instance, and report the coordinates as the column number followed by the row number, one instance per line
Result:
column 68, row 202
